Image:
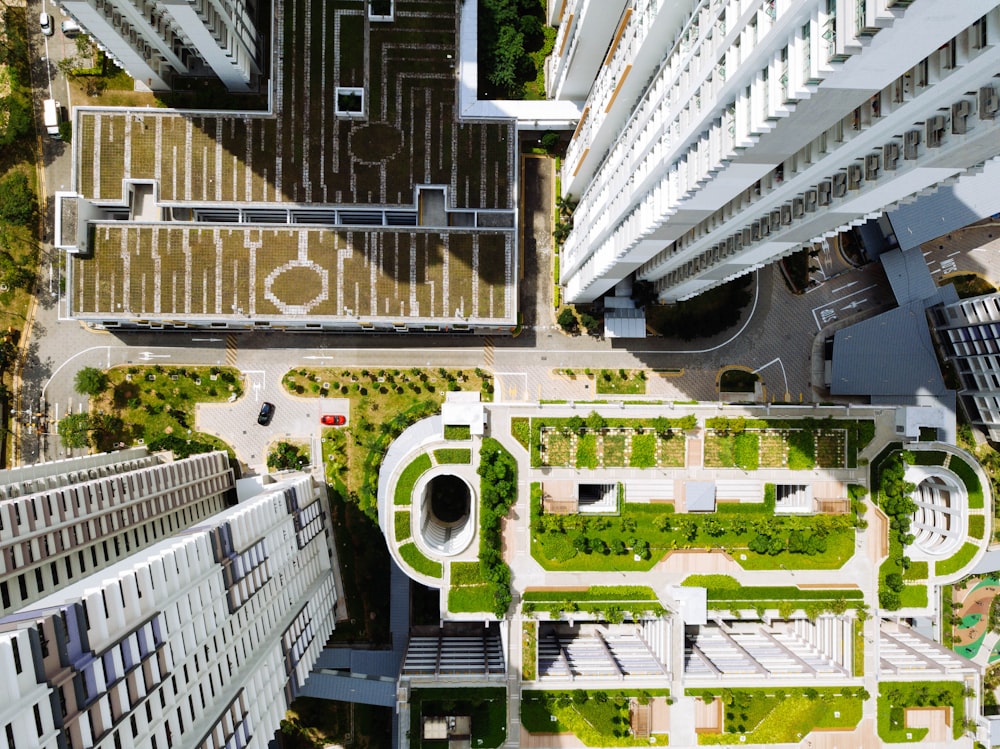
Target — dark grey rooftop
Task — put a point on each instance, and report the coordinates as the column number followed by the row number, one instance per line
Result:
column 909, row 276
column 891, row 354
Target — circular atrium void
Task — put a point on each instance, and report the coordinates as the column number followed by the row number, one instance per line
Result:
column 446, row 517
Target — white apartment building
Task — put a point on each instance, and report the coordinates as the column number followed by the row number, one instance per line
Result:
column 969, row 334
column 201, row 640
column 721, row 135
column 152, row 40
column 67, row 519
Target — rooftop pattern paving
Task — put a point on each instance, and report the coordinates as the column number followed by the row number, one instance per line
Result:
column 234, row 271
column 305, row 153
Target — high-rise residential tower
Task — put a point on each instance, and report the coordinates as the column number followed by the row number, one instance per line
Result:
column 720, row 135
column 201, row 639
column 154, row 40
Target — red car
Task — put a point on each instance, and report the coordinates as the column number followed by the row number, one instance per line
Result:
column 332, row 420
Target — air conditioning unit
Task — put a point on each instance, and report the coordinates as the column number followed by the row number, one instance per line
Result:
column 960, row 112
column 910, row 142
column 798, row 208
column 786, row 215
column 989, row 103
column 935, row 131
column 839, row 185
column 810, row 201
column 854, row 177
column 871, row 167
column 823, row 191
column 746, row 236
column 755, row 231
column 765, row 226
column 890, row 155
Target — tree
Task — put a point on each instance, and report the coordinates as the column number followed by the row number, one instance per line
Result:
column 90, row 381
column 595, row 421
column 17, row 200
column 567, row 320
column 15, row 112
column 507, row 54
column 590, row 322
column 74, row 430
column 287, row 456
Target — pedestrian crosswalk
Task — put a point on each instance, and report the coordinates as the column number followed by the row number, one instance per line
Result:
column 231, row 350
column 488, row 351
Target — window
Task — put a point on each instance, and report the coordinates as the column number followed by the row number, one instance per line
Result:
column 10, row 736
column 38, row 719
column 5, row 594
column 17, row 655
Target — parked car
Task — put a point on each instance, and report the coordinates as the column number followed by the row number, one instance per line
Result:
column 45, row 21
column 71, row 28
column 332, row 420
column 266, row 414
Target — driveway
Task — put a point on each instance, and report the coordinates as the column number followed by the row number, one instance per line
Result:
column 295, row 419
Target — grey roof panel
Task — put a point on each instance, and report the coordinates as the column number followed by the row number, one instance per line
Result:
column 909, row 277
column 699, row 496
column 890, row 354
column 332, row 685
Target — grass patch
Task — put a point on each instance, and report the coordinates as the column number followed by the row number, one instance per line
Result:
column 529, row 650
column 621, row 382
column 594, row 593
column 613, row 450
column 586, row 451
column 859, row 648
column 782, row 715
column 457, row 432
column 453, row 455
column 977, row 526
column 895, row 696
column 486, row 705
column 470, row 591
column 157, row 405
column 520, row 428
column 738, row 381
column 643, row 451
column 408, row 478
column 916, row 571
column 957, row 561
column 968, row 475
column 913, row 596
column 596, row 718
column 413, row 557
column 401, row 521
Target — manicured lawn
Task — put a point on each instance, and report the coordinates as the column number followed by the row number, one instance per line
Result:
column 732, row 450
column 643, row 451
column 916, row 571
column 895, row 696
column 547, row 450
column 956, row 562
column 772, row 450
column 520, row 427
column 977, row 526
column 469, row 591
column 594, row 593
column 457, row 433
column 486, row 705
column 621, row 382
column 401, row 520
column 672, row 451
column 972, row 485
column 456, row 455
column 781, row 715
column 913, row 595
column 598, row 719
column 802, row 450
column 613, row 446
column 409, row 476
column 412, row 556
column 558, row 448
column 586, row 451
column 156, row 404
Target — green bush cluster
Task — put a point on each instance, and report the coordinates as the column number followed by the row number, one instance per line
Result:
column 895, row 696
column 285, row 456
column 893, row 493
column 509, row 30
column 498, row 491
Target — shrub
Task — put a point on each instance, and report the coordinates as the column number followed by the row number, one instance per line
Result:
column 90, row 381
column 18, row 204
column 567, row 320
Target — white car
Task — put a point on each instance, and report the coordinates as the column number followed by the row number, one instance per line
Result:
column 45, row 21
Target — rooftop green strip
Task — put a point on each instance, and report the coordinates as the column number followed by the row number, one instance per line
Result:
column 408, row 478
column 413, row 557
column 401, row 521
column 487, row 706
column 966, row 472
column 457, row 433
column 648, row 531
column 621, row 382
column 895, row 696
column 977, row 526
column 596, row 718
column 665, row 436
column 958, row 561
column 529, row 650
column 781, row 716
column 594, row 593
column 520, row 427
column 456, row 455
column 469, row 591
column 893, row 494
column 498, row 492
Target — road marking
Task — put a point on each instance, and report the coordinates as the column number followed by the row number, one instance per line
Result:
column 845, row 286
column 856, row 303
column 488, row 351
column 952, row 254
column 828, row 315
column 231, row 342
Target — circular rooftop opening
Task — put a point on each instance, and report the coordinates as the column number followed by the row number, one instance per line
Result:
column 446, row 515
column 450, row 499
